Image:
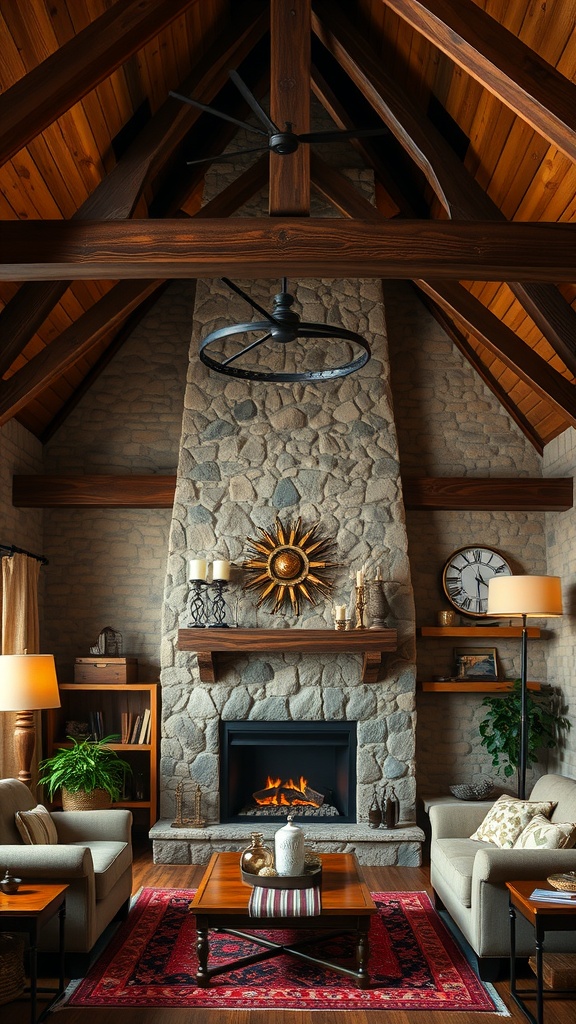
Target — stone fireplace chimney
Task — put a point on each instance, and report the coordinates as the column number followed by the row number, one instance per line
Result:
column 322, row 451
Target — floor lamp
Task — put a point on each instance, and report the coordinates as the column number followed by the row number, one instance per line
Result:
column 28, row 683
column 536, row 596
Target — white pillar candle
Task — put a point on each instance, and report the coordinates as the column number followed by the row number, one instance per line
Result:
column 197, row 569
column 221, row 569
column 340, row 612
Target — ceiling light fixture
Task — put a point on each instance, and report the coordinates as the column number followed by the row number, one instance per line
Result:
column 278, row 329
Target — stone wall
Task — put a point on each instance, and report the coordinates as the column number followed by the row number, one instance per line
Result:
column 321, row 451
column 560, row 460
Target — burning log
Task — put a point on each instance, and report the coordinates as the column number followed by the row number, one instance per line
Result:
column 288, row 794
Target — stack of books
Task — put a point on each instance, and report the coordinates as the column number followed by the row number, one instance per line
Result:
column 136, row 728
column 553, row 896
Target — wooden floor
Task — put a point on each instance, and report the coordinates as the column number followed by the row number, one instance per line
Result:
column 377, row 879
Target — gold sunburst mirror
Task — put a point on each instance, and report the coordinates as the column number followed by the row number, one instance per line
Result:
column 289, row 563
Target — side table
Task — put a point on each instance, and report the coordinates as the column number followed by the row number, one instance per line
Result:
column 28, row 910
column 544, row 917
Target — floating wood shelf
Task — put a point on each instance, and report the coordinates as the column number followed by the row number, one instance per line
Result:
column 476, row 686
column 371, row 643
column 457, row 632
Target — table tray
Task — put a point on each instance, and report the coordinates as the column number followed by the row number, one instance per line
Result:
column 306, row 881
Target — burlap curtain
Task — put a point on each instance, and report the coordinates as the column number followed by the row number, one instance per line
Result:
column 20, row 633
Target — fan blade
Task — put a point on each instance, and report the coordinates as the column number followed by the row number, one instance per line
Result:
column 243, row 351
column 226, row 156
column 336, row 136
column 251, row 302
column 217, row 113
column 252, row 102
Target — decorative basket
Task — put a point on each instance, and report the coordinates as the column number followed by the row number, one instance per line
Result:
column 566, row 882
column 471, row 791
column 12, row 978
column 97, row 800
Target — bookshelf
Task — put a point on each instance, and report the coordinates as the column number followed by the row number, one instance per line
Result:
column 114, row 705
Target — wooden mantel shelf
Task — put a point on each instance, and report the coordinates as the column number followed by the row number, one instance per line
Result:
column 371, row 643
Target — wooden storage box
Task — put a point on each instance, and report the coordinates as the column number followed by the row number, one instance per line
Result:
column 106, row 670
column 558, row 970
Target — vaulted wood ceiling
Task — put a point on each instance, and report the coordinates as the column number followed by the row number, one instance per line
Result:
column 100, row 209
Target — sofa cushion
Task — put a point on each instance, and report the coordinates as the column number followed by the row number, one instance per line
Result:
column 507, row 818
column 36, row 826
column 110, row 861
column 454, row 860
column 542, row 834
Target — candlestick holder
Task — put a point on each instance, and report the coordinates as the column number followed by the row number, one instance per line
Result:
column 197, row 604
column 218, row 607
column 360, row 606
column 197, row 821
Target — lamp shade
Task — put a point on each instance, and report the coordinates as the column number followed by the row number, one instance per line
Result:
column 28, row 682
column 525, row 595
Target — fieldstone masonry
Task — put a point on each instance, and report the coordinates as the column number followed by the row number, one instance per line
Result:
column 323, row 451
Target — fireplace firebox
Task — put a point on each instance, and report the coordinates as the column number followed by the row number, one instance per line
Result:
column 271, row 769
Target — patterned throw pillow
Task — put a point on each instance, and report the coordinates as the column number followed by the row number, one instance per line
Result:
column 507, row 818
column 541, row 834
column 36, row 827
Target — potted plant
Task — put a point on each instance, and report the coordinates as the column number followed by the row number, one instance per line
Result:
column 500, row 729
column 89, row 773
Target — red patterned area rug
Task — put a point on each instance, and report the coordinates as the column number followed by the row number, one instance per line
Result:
column 414, row 964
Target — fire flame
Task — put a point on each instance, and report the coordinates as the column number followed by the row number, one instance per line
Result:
column 278, row 797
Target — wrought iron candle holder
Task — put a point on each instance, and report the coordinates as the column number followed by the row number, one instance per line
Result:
column 197, row 604
column 218, row 607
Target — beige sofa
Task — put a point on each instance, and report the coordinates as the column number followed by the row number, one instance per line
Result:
column 468, row 877
column 93, row 856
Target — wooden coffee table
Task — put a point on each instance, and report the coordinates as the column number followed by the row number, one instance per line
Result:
column 221, row 902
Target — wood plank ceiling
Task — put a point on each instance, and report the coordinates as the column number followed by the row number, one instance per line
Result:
column 479, row 101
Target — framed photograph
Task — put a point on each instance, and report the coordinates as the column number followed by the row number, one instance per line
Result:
column 476, row 663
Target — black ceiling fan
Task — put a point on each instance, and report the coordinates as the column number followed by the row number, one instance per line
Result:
column 280, row 141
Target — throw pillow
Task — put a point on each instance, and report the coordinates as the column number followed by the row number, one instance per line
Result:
column 36, row 827
column 507, row 818
column 541, row 834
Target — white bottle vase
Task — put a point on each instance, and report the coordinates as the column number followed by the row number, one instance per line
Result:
column 289, row 850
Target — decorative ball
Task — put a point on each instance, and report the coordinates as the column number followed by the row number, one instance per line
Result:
column 287, row 565
column 267, row 872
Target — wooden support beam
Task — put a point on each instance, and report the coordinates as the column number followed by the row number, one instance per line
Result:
column 503, row 64
column 471, row 493
column 492, row 494
column 93, row 491
column 264, row 247
column 290, row 102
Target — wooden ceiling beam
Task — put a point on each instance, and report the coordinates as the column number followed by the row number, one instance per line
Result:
column 459, row 193
column 67, row 75
column 290, row 102
column 496, row 336
column 117, row 194
column 500, row 62
column 427, row 493
column 264, row 247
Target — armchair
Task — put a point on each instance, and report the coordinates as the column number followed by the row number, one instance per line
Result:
column 469, row 877
column 93, row 855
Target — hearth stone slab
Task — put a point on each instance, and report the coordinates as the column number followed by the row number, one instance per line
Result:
column 401, row 846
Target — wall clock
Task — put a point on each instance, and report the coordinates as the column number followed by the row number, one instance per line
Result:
column 466, row 574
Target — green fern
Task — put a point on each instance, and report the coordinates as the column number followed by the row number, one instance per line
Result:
column 85, row 766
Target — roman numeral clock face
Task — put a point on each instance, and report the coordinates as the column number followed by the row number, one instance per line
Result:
column 466, row 575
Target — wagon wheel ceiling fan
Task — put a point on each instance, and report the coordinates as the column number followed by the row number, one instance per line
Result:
column 229, row 350
column 279, row 141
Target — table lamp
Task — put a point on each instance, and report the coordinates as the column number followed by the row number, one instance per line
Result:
column 28, row 683
column 536, row 596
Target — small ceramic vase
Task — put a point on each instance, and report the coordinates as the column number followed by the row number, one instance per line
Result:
column 289, row 849
column 392, row 811
column 374, row 813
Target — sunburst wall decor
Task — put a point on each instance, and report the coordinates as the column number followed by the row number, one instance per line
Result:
column 289, row 563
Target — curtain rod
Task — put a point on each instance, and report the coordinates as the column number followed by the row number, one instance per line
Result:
column 13, row 550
